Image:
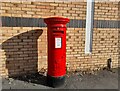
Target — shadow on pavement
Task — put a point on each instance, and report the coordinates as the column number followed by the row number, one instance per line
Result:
column 35, row 78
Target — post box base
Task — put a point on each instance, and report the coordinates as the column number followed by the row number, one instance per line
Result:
column 55, row 81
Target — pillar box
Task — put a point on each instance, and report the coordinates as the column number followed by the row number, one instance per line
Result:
column 56, row 36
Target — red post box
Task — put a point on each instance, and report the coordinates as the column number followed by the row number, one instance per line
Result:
column 56, row 35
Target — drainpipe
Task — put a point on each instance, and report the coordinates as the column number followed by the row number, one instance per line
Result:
column 89, row 26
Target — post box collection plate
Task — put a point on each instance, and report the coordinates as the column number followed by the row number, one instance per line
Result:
column 58, row 42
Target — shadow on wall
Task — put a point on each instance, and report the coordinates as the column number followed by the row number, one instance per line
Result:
column 22, row 53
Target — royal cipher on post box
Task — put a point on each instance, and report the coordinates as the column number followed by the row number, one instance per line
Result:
column 56, row 36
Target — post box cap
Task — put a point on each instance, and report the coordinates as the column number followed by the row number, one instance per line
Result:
column 54, row 20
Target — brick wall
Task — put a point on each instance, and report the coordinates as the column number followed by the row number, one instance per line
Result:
column 119, row 34
column 24, row 46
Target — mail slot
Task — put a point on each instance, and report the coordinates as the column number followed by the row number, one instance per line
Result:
column 56, row 36
column 58, row 32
